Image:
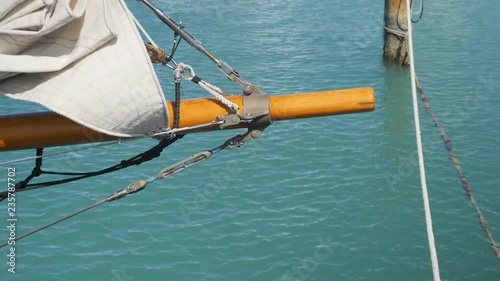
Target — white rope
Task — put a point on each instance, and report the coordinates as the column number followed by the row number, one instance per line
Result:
column 138, row 24
column 396, row 32
column 179, row 70
column 215, row 91
column 423, row 180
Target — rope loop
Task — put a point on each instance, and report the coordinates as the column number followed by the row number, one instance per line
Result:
column 179, row 70
column 398, row 33
column 215, row 91
column 420, row 12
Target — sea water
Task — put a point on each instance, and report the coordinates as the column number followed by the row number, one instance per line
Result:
column 331, row 198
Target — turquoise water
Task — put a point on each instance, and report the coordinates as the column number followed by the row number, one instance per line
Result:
column 333, row 198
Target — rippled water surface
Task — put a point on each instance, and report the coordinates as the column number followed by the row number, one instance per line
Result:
column 332, row 198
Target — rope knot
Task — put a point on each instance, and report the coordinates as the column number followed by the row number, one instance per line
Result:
column 179, row 70
column 37, row 171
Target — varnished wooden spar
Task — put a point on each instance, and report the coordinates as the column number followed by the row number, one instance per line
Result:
column 25, row 131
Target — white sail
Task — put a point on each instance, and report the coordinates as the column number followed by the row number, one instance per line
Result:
column 82, row 59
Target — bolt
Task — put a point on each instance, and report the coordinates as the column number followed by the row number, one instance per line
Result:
column 234, row 119
column 255, row 134
column 247, row 89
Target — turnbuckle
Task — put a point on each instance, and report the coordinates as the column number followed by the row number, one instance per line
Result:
column 255, row 102
column 184, row 164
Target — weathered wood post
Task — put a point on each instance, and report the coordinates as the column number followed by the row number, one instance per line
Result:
column 396, row 28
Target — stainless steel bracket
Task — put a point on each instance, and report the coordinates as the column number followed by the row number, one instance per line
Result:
column 256, row 113
column 256, row 109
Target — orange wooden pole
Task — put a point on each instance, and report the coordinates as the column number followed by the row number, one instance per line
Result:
column 308, row 105
column 25, row 131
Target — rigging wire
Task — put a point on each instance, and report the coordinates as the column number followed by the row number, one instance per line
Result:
column 55, row 222
column 152, row 153
column 170, row 57
column 155, row 151
column 423, row 180
column 69, row 151
column 171, row 134
column 141, row 184
column 163, row 134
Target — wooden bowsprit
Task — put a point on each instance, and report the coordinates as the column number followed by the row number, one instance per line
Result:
column 35, row 130
column 49, row 129
column 254, row 110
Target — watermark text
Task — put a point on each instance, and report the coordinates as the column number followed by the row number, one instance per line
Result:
column 11, row 219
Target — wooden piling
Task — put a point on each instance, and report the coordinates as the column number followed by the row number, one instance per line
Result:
column 396, row 28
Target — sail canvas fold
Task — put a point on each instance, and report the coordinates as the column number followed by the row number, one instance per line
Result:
column 82, row 59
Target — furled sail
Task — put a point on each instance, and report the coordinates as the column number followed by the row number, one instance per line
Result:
column 83, row 59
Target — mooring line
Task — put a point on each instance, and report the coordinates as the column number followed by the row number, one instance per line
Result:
column 423, row 181
column 465, row 184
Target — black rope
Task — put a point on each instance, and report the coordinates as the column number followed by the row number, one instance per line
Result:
column 421, row 13
column 37, row 170
column 152, row 153
column 465, row 184
column 172, row 52
column 397, row 17
column 177, row 107
column 410, row 15
column 136, row 186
